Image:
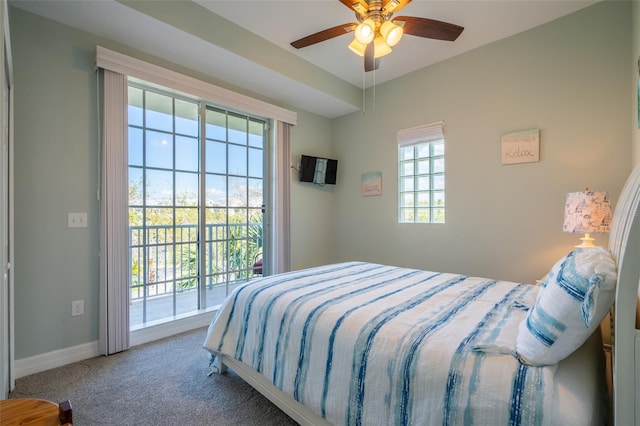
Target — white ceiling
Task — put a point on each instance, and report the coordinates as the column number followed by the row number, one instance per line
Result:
column 281, row 22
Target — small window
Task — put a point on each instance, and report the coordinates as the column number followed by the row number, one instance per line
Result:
column 421, row 183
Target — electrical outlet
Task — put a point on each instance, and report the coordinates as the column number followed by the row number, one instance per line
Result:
column 77, row 220
column 77, row 308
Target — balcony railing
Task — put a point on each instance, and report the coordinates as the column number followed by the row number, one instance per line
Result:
column 164, row 258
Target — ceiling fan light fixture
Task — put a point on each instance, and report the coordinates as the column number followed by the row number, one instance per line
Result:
column 357, row 47
column 366, row 31
column 391, row 32
column 380, row 47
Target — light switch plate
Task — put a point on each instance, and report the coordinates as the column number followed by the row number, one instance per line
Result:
column 77, row 220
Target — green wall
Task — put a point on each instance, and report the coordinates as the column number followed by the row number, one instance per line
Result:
column 56, row 159
column 569, row 78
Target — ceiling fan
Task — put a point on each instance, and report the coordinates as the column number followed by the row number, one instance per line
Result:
column 377, row 32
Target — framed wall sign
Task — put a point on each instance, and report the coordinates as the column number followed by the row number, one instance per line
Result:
column 521, row 147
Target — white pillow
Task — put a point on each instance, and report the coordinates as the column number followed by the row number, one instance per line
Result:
column 576, row 296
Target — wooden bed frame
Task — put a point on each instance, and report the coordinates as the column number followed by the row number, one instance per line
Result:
column 624, row 243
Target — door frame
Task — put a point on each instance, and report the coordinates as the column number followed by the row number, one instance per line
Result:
column 7, row 355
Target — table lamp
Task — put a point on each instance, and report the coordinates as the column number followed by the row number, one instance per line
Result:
column 587, row 212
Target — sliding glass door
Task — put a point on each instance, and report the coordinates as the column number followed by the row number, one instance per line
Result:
column 196, row 191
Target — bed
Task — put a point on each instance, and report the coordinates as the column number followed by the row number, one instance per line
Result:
column 358, row 343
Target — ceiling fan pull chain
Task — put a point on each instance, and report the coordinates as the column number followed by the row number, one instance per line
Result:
column 364, row 89
column 373, row 101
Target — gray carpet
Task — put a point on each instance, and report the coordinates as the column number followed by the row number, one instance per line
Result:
column 159, row 383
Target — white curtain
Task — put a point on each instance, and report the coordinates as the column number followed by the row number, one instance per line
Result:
column 282, row 200
column 114, row 260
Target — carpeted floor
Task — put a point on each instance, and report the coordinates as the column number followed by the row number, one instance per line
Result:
column 159, row 383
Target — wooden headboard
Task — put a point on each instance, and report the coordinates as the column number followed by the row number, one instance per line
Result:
column 624, row 243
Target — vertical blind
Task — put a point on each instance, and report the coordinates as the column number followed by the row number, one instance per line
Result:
column 114, row 262
column 282, row 188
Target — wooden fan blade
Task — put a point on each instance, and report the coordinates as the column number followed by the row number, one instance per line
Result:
column 429, row 28
column 370, row 63
column 324, row 35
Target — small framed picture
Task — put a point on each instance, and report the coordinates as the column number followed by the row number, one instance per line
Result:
column 372, row 184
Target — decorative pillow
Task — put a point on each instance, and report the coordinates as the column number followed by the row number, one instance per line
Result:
column 576, row 296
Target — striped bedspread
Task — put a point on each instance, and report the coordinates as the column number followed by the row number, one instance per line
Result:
column 368, row 344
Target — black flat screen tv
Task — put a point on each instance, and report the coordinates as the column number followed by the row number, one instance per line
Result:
column 318, row 170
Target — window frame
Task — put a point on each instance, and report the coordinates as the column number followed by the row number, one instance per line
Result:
column 412, row 175
column 206, row 281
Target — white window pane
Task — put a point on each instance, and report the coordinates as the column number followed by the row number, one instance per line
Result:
column 424, row 167
column 216, row 125
column 424, row 199
column 438, row 182
column 423, row 183
column 407, row 200
column 159, row 149
column 407, row 215
column 159, row 112
column 438, row 165
column 423, row 151
column 135, row 186
column 407, row 184
column 187, row 156
column 407, row 168
column 216, row 157
column 406, row 153
column 237, row 129
column 237, row 192
column 255, row 162
column 216, row 190
column 159, row 187
column 135, row 143
column 237, row 160
column 255, row 192
column 186, row 118
column 135, row 110
column 256, row 133
column 438, row 198
column 186, row 189
column 438, row 215
column 438, row 148
column 424, row 215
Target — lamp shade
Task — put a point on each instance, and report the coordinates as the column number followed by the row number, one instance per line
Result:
column 366, row 31
column 357, row 47
column 391, row 32
column 380, row 48
column 587, row 212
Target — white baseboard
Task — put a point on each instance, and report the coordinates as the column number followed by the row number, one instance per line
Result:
column 58, row 358
column 54, row 359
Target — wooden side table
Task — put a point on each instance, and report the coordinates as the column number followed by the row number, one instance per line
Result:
column 34, row 412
